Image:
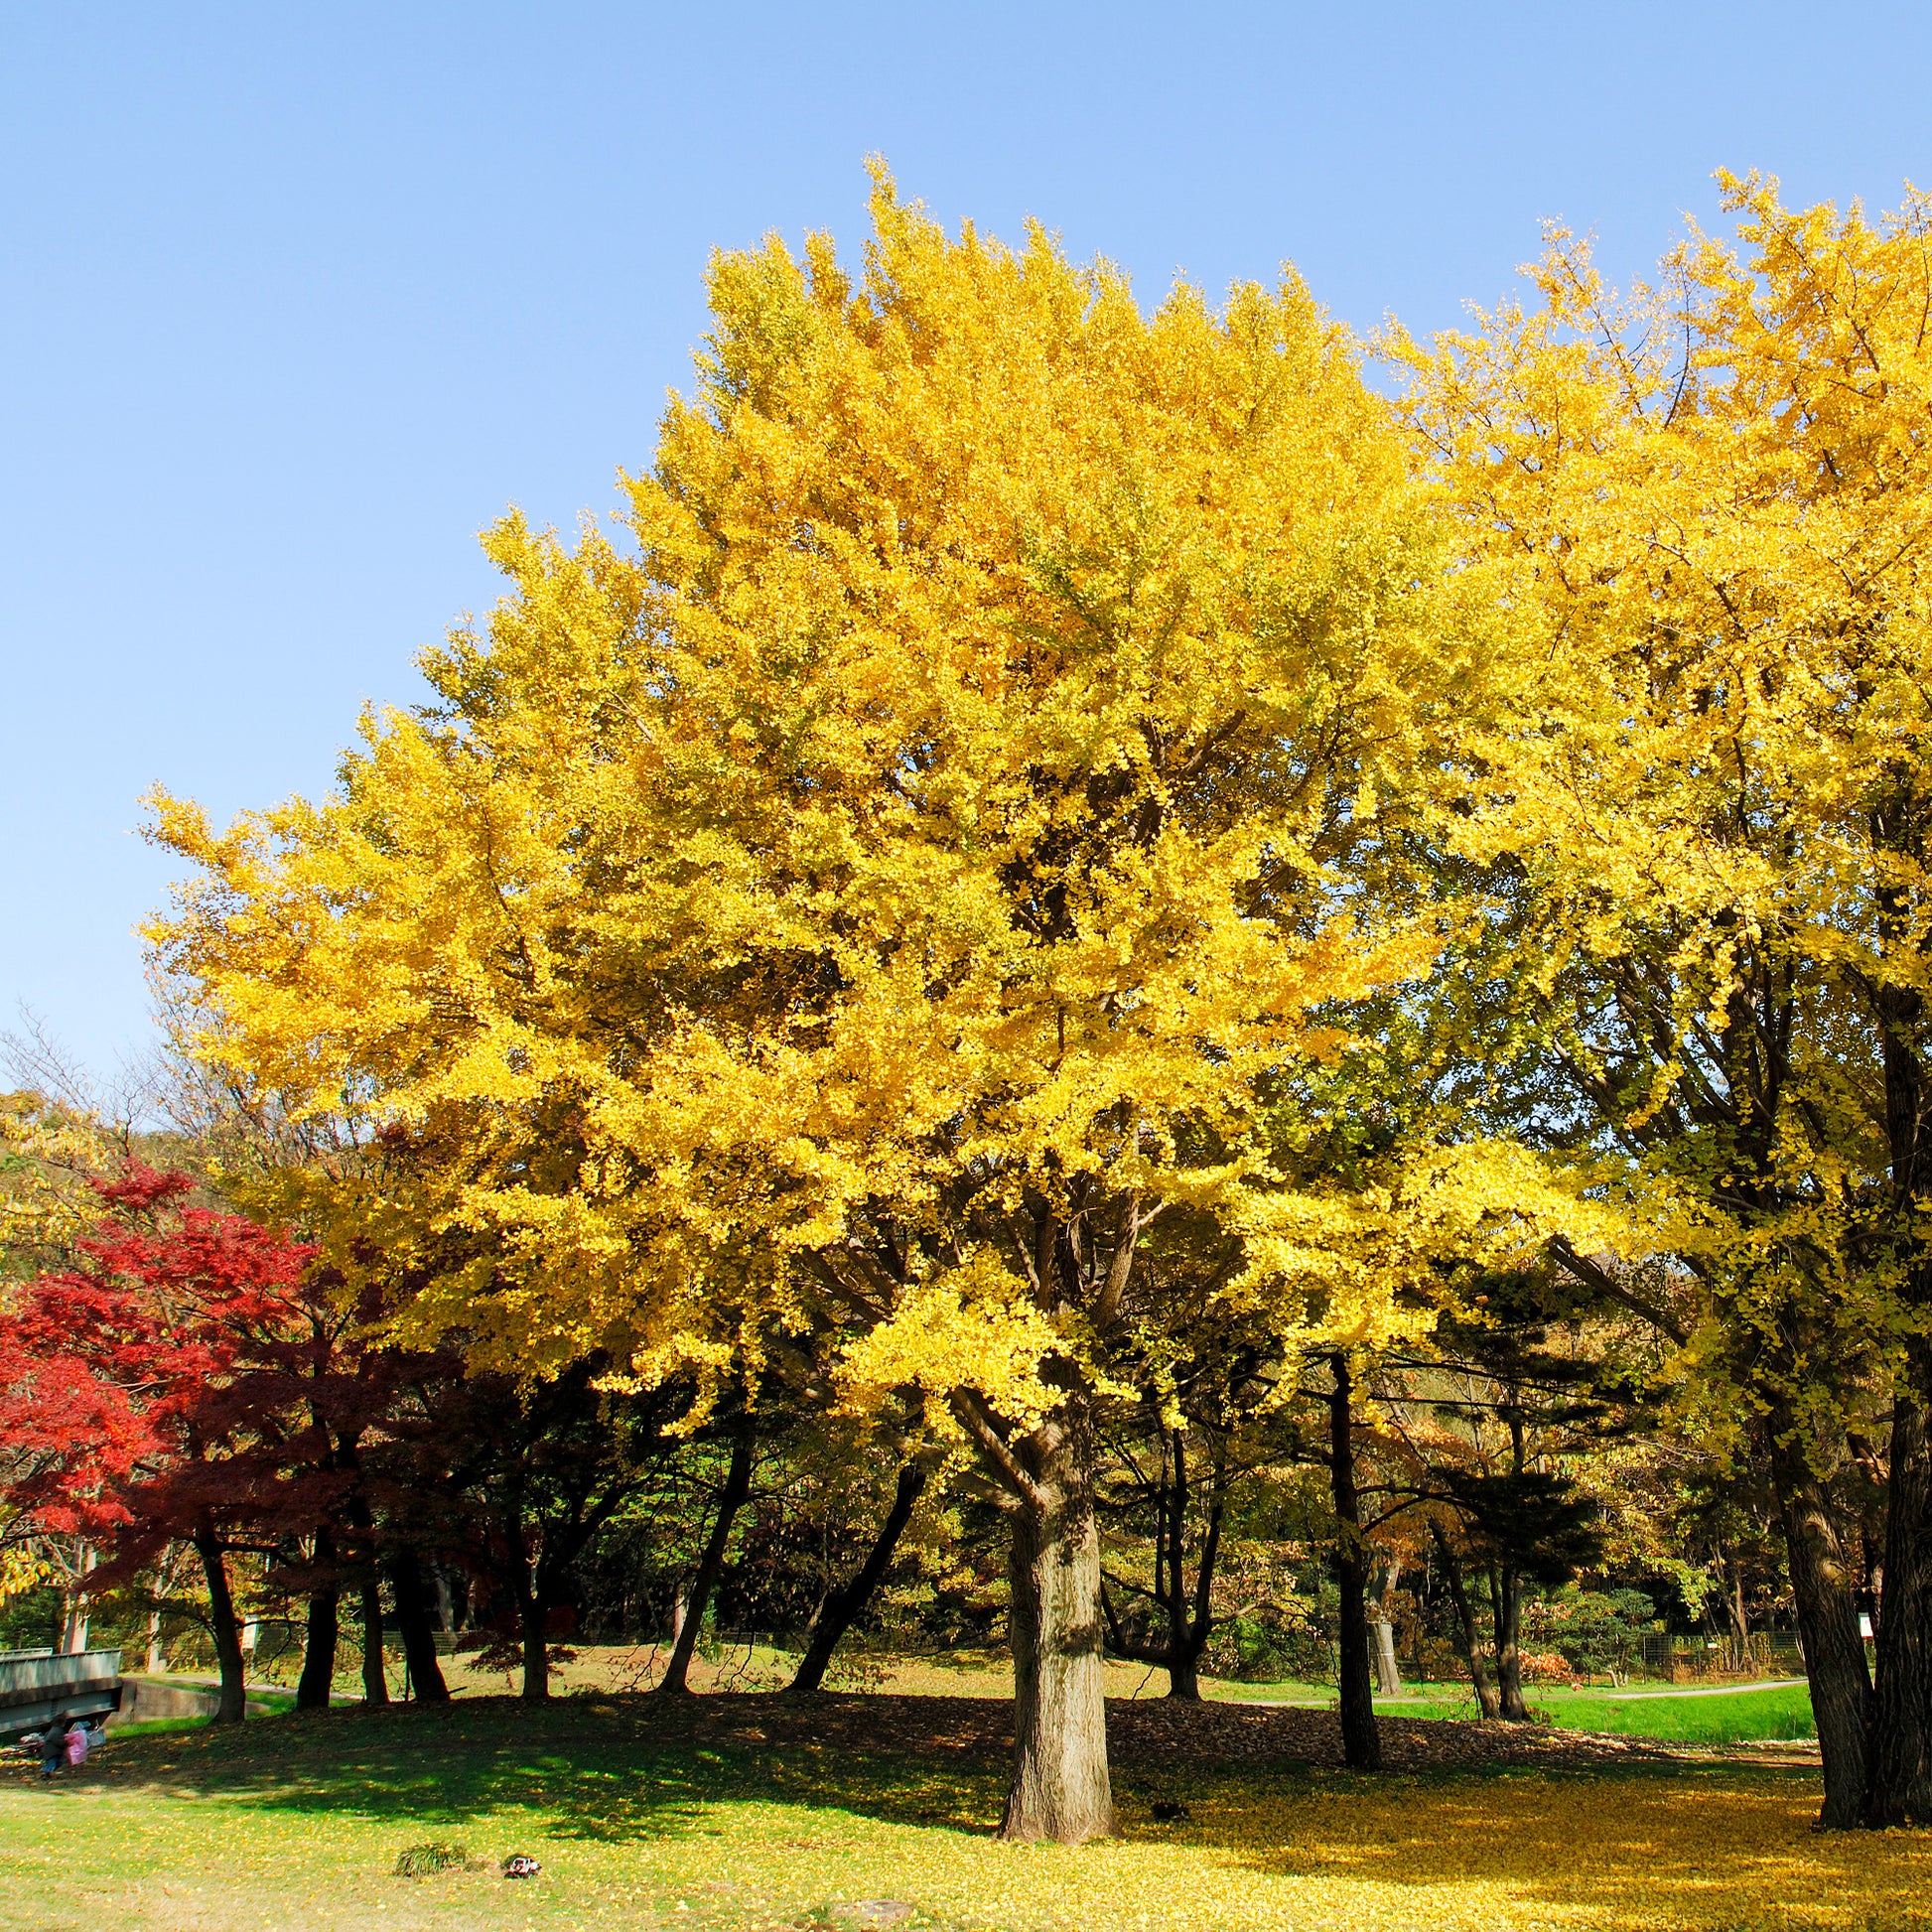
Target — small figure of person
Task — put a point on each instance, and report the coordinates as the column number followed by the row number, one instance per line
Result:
column 53, row 1745
column 78, row 1741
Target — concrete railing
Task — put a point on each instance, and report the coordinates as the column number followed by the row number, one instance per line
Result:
column 39, row 1685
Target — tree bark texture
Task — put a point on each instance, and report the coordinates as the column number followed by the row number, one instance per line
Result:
column 1361, row 1742
column 1062, row 1787
column 737, row 1486
column 1828, row 1627
column 836, row 1617
column 1506, row 1610
column 1900, row 1771
column 224, row 1626
column 1388, row 1678
column 413, row 1626
column 1488, row 1705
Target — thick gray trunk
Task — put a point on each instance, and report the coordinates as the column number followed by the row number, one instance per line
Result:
column 1506, row 1609
column 1828, row 1627
column 1061, row 1789
column 1899, row 1773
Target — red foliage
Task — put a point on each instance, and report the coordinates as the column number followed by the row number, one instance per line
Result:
column 157, row 1391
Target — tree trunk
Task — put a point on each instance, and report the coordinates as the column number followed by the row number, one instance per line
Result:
column 1899, row 1773
column 1828, row 1627
column 1735, row 1615
column 1361, row 1742
column 413, row 1626
column 533, row 1621
column 225, row 1629
column 1388, row 1680
column 1061, row 1788
column 155, row 1659
column 317, row 1680
column 375, row 1678
column 835, row 1615
column 738, row 1485
column 1506, row 1609
column 1488, row 1701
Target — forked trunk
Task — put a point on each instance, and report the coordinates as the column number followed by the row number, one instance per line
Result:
column 1361, row 1740
column 1061, row 1789
column 1828, row 1627
column 1488, row 1701
column 843, row 1606
column 224, row 1626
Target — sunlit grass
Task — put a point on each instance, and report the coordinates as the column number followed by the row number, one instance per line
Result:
column 294, row 1825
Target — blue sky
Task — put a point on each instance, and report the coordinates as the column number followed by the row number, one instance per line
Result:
column 299, row 298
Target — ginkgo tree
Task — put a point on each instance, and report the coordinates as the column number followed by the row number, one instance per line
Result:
column 870, row 892
column 1706, row 510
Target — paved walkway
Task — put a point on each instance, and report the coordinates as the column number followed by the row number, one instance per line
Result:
column 1714, row 1690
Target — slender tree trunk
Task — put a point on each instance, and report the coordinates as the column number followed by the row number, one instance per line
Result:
column 837, row 1613
column 1488, row 1701
column 155, row 1661
column 1899, row 1773
column 225, row 1629
column 1735, row 1615
column 737, row 1486
column 1062, row 1787
column 1828, row 1627
column 413, row 1626
column 445, row 1599
column 1388, row 1680
column 375, row 1678
column 1361, row 1742
column 1506, row 1607
column 317, row 1680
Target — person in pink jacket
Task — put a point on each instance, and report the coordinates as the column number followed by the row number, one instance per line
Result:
column 77, row 1743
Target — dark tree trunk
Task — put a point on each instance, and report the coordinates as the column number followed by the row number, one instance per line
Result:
column 413, row 1626
column 1735, row 1615
column 1062, row 1787
column 533, row 1627
column 1828, row 1627
column 318, row 1679
column 737, row 1486
column 375, row 1680
column 1900, row 1775
column 1361, row 1742
column 1488, row 1701
column 1506, row 1612
column 225, row 1629
column 834, row 1618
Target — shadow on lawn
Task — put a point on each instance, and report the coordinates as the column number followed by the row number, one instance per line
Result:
column 1648, row 1843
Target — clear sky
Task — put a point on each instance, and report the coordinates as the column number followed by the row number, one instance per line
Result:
column 298, row 298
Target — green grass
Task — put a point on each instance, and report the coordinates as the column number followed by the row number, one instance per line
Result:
column 716, row 1817
column 1726, row 1717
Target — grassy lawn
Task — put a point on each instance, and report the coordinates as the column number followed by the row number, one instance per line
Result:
column 647, row 1818
column 1696, row 1718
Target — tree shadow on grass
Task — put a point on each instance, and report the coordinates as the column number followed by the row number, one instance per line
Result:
column 1656, row 1843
